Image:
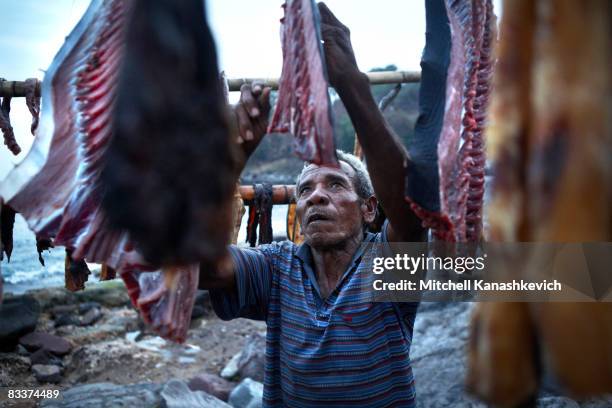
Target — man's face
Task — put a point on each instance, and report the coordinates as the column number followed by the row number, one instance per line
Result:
column 328, row 207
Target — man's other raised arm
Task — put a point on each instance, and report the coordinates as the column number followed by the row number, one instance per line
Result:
column 385, row 156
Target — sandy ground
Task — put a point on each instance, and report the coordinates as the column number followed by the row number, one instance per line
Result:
column 118, row 349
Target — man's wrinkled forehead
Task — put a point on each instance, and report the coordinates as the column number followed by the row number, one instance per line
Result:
column 312, row 169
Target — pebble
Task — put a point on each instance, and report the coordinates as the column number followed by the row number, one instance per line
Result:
column 176, row 394
column 248, row 394
column 212, row 384
column 47, row 373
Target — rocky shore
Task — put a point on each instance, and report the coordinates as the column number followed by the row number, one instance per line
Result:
column 93, row 347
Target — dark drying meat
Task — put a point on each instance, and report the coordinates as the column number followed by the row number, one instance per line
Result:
column 76, row 272
column 42, row 244
column 303, row 107
column 33, row 101
column 456, row 71
column 170, row 169
column 7, row 221
column 5, row 126
column 260, row 215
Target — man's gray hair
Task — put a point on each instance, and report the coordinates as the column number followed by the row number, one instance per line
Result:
column 362, row 182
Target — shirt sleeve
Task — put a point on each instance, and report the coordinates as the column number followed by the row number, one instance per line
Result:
column 253, row 269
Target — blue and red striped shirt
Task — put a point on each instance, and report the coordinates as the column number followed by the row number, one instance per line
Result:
column 345, row 350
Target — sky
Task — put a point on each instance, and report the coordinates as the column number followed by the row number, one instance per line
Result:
column 383, row 32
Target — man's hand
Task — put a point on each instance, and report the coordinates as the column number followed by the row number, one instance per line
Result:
column 252, row 113
column 385, row 154
column 341, row 63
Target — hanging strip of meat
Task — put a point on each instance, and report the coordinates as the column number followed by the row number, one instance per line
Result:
column 550, row 141
column 57, row 186
column 294, row 233
column 5, row 125
column 252, row 223
column 7, row 221
column 42, row 244
column 303, row 108
column 263, row 202
column 260, row 215
column 170, row 169
column 76, row 273
column 33, row 101
column 456, row 70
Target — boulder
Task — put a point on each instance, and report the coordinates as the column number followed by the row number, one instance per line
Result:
column 66, row 320
column 53, row 297
column 45, row 357
column 49, row 342
column 99, row 395
column 212, row 384
column 61, row 310
column 252, row 358
column 176, row 394
column 91, row 316
column 198, row 311
column 47, row 373
column 108, row 293
column 87, row 306
column 18, row 317
column 248, row 394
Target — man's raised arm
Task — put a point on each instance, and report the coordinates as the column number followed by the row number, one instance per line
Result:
column 385, row 155
column 251, row 120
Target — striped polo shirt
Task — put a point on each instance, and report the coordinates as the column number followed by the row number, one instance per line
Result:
column 344, row 350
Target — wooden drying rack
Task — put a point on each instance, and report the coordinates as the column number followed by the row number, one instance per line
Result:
column 281, row 194
column 16, row 89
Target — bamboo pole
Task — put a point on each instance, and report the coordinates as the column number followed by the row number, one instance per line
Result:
column 281, row 194
column 16, row 89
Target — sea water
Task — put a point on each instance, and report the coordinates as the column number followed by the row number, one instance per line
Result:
column 24, row 271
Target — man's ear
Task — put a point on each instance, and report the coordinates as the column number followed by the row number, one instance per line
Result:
column 368, row 209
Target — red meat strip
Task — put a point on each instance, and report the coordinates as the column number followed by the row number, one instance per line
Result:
column 303, row 107
column 57, row 186
column 455, row 212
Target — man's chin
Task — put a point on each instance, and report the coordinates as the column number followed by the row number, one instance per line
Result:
column 322, row 240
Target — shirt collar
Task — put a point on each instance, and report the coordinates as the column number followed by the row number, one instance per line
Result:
column 304, row 252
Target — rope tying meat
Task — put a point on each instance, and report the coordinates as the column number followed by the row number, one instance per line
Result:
column 5, row 125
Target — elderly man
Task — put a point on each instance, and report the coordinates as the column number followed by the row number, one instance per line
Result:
column 326, row 345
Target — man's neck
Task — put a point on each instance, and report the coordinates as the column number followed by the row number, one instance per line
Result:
column 331, row 263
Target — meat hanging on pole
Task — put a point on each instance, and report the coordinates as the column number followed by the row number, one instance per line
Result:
column 57, row 188
column 303, row 107
column 33, row 101
column 260, row 216
column 550, row 143
column 170, row 169
column 5, row 125
column 445, row 174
